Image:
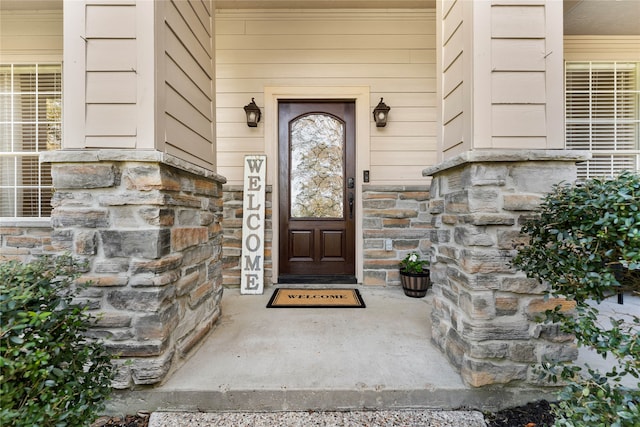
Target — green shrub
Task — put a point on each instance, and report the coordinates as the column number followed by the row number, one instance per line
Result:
column 50, row 375
column 586, row 245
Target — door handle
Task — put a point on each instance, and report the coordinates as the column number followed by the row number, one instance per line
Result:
column 350, row 206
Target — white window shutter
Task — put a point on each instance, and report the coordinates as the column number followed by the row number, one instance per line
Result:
column 602, row 115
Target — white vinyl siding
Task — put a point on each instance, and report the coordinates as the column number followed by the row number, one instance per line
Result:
column 30, row 122
column 392, row 52
column 603, row 115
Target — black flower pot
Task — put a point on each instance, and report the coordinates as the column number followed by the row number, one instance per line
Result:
column 415, row 285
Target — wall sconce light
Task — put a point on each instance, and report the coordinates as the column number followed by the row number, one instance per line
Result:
column 380, row 114
column 253, row 114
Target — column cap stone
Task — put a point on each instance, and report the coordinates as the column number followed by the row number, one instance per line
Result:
column 149, row 156
column 497, row 156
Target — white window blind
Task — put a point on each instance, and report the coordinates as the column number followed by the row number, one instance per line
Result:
column 30, row 122
column 603, row 115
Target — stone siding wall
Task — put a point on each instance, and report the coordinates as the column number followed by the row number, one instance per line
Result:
column 398, row 214
column 24, row 240
column 484, row 310
column 232, row 230
column 151, row 231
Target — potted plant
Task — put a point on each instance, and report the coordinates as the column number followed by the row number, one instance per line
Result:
column 414, row 275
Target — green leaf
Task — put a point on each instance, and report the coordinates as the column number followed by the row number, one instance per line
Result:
column 16, row 340
column 625, row 415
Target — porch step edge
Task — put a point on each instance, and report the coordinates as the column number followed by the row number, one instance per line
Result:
column 489, row 398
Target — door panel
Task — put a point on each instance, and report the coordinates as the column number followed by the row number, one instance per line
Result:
column 316, row 189
column 301, row 242
column 333, row 246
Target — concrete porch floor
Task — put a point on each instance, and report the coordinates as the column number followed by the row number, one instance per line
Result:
column 275, row 359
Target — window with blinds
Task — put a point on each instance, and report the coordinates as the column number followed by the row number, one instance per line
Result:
column 603, row 115
column 30, row 122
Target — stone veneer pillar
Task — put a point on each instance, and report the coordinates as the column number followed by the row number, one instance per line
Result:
column 149, row 226
column 483, row 309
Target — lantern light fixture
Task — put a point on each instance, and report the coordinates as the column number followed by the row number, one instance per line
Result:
column 253, row 113
column 381, row 113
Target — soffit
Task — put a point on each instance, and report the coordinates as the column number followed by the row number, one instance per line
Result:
column 602, row 17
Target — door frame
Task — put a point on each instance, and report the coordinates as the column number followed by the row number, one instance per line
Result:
column 359, row 94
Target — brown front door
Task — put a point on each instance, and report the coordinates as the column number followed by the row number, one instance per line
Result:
column 317, row 191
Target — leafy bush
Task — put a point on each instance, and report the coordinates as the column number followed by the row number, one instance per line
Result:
column 50, row 375
column 586, row 245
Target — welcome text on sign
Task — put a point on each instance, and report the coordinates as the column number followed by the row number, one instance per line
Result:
column 253, row 206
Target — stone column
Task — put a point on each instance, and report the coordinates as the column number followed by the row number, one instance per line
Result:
column 149, row 226
column 483, row 309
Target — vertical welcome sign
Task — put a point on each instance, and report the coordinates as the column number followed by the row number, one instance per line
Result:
column 253, row 206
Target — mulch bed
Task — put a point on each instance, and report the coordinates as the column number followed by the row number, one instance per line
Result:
column 535, row 414
column 139, row 420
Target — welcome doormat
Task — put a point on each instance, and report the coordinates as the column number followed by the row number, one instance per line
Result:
column 316, row 298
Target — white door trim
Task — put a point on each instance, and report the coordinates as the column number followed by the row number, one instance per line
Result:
column 360, row 94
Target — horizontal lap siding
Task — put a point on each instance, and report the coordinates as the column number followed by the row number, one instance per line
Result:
column 602, row 48
column 454, row 87
column 391, row 52
column 189, row 82
column 29, row 37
